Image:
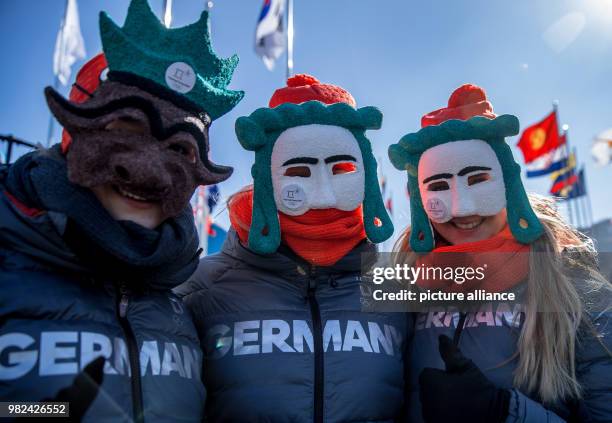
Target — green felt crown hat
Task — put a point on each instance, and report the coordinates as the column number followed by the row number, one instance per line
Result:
column 259, row 132
column 468, row 116
column 178, row 61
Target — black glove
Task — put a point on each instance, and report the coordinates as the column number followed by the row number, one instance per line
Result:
column 461, row 393
column 81, row 394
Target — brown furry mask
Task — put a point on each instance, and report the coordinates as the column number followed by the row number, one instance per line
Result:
column 138, row 143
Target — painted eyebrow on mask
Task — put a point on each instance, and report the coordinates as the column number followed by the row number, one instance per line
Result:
column 470, row 169
column 438, row 176
column 340, row 158
column 301, row 160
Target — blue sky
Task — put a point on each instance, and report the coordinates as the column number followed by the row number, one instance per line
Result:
column 404, row 57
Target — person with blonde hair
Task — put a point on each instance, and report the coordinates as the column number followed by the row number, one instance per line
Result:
column 545, row 357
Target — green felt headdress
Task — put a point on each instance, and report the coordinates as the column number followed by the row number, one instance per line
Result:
column 259, row 132
column 405, row 155
column 179, row 60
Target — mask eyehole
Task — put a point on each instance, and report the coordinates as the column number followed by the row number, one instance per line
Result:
column 377, row 222
column 438, row 186
column 478, row 178
column 523, row 223
column 344, row 167
column 299, row 171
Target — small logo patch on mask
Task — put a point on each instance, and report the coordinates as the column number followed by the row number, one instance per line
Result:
column 436, row 209
column 293, row 196
column 180, row 77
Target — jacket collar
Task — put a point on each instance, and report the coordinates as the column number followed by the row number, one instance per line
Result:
column 286, row 262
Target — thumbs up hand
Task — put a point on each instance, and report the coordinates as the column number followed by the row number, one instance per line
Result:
column 80, row 395
column 461, row 393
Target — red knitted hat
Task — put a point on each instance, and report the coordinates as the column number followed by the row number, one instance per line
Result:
column 302, row 87
column 87, row 81
column 465, row 102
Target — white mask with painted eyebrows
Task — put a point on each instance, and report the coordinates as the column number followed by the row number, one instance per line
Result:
column 461, row 178
column 317, row 167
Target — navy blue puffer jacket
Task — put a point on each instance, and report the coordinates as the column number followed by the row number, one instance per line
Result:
column 287, row 342
column 489, row 338
column 56, row 317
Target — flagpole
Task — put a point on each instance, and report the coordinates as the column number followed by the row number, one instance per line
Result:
column 208, row 5
column 581, row 205
column 579, row 214
column 588, row 198
column 202, row 202
column 56, row 78
column 568, row 154
column 289, row 38
column 582, row 199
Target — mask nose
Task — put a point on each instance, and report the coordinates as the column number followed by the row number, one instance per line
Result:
column 324, row 197
column 463, row 201
column 140, row 170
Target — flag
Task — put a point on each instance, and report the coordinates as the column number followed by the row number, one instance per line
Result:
column 569, row 164
column 547, row 163
column 564, row 179
column 383, row 185
column 601, row 150
column 167, row 13
column 216, row 237
column 69, row 45
column 212, row 198
column 389, row 205
column 270, row 33
column 579, row 188
column 540, row 138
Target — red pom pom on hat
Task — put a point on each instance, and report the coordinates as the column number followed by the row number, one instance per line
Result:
column 87, row 81
column 301, row 88
column 464, row 103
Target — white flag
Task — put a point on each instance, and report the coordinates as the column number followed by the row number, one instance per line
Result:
column 602, row 148
column 69, row 45
column 270, row 33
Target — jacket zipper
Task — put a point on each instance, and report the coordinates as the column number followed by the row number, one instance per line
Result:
column 459, row 329
column 132, row 348
column 318, row 347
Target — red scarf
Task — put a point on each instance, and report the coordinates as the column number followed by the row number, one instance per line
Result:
column 506, row 260
column 321, row 237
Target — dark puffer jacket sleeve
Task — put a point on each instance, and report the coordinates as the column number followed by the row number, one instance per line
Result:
column 593, row 370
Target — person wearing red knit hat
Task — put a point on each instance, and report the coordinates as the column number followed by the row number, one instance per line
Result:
column 543, row 356
column 279, row 309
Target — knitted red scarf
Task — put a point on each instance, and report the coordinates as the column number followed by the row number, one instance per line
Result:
column 505, row 262
column 321, row 237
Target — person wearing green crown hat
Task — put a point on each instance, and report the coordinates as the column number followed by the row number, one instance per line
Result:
column 95, row 232
column 545, row 357
column 279, row 309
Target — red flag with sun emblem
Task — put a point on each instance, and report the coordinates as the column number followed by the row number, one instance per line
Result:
column 540, row 138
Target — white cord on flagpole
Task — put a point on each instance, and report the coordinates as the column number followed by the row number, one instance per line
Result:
column 289, row 38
